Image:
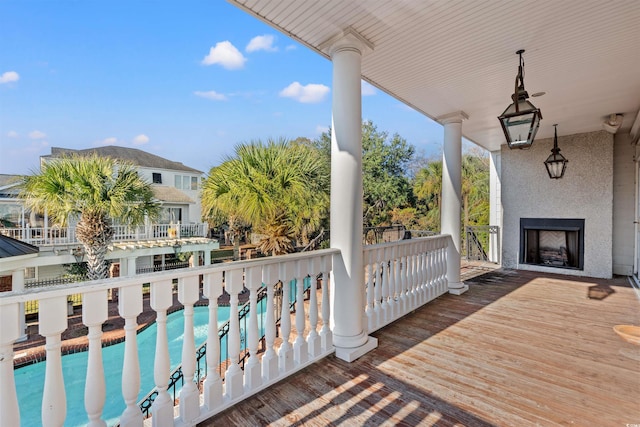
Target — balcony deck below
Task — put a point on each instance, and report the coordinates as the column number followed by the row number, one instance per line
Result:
column 519, row 348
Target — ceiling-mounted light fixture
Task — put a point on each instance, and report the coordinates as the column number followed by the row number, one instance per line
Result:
column 556, row 163
column 521, row 119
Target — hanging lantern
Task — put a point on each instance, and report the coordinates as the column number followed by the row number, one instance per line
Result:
column 521, row 119
column 556, row 163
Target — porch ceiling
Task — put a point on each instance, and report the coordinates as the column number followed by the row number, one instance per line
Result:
column 445, row 56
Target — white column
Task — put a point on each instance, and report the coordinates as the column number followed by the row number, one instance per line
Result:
column 17, row 285
column 495, row 205
column 452, row 196
column 349, row 335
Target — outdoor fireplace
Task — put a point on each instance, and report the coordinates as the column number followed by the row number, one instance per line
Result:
column 552, row 242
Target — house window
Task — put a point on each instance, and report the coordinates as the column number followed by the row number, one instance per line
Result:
column 194, row 182
column 170, row 215
column 178, row 181
column 30, row 273
column 157, row 178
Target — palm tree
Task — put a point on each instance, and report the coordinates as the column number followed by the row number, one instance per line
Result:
column 277, row 187
column 428, row 189
column 96, row 191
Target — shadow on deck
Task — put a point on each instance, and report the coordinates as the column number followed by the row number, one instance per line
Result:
column 519, row 348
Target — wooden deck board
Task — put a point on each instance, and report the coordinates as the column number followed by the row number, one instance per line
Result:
column 520, row 348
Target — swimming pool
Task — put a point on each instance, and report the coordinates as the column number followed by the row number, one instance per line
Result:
column 30, row 379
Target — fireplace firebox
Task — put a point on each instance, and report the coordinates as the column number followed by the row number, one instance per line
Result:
column 552, row 242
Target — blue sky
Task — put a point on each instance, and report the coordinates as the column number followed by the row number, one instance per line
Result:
column 182, row 80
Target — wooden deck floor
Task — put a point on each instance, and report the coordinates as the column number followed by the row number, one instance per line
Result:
column 518, row 349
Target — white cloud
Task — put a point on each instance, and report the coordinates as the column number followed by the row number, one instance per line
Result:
column 322, row 129
column 291, row 47
column 261, row 43
column 109, row 141
column 140, row 139
column 309, row 94
column 36, row 134
column 9, row 76
column 367, row 89
column 212, row 94
column 225, row 54
column 12, row 134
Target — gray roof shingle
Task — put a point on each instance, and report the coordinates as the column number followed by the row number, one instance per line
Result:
column 137, row 157
column 10, row 247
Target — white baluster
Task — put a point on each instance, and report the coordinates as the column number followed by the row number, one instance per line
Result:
column 404, row 282
column 326, row 336
column 421, row 274
column 379, row 301
column 188, row 294
column 432, row 271
column 442, row 270
column 252, row 369
column 396, row 283
column 411, row 259
column 368, row 274
column 10, row 321
column 313, row 339
column 300, row 347
column 270, row 358
column 285, row 352
column 129, row 307
column 386, row 285
column 94, row 314
column 213, row 383
column 162, row 408
column 52, row 322
column 233, row 375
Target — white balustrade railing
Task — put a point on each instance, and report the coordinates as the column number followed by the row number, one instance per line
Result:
column 400, row 277
column 219, row 394
column 49, row 236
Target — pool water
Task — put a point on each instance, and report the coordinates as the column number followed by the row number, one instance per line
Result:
column 30, row 379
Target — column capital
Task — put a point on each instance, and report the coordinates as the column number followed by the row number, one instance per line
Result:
column 455, row 117
column 345, row 40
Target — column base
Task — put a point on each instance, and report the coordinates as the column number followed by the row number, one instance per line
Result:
column 458, row 288
column 351, row 354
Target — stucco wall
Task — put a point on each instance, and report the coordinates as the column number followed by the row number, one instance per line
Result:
column 623, row 204
column 585, row 192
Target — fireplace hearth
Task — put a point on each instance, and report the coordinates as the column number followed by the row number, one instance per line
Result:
column 552, row 242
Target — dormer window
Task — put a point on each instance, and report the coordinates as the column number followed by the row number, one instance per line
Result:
column 156, row 178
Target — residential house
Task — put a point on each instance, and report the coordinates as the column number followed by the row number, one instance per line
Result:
column 150, row 247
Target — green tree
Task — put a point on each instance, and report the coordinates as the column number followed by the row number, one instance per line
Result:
column 385, row 161
column 96, row 191
column 278, row 188
column 427, row 187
